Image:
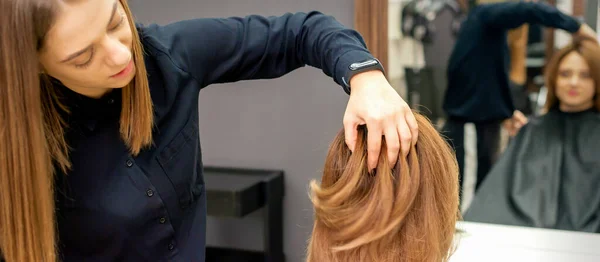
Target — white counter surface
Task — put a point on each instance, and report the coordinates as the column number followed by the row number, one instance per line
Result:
column 494, row 243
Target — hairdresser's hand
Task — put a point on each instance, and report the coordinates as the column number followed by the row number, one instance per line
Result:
column 375, row 103
column 514, row 124
column 586, row 31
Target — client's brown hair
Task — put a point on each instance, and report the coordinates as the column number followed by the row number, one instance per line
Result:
column 589, row 49
column 402, row 213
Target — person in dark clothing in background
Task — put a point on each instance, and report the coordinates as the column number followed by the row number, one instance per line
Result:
column 478, row 93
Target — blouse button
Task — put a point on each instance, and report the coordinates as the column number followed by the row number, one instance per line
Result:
column 149, row 192
column 171, row 246
column 162, row 220
column 129, row 163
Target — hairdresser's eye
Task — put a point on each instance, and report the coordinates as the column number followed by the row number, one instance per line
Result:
column 88, row 61
column 116, row 23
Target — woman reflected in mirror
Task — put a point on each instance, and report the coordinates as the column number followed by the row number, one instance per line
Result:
column 548, row 175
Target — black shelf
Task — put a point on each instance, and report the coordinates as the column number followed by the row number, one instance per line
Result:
column 236, row 192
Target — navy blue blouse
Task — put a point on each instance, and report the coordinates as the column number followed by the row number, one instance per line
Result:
column 113, row 206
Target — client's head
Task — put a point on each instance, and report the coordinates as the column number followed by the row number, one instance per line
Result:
column 573, row 77
column 402, row 213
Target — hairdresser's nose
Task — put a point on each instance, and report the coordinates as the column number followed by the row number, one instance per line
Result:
column 117, row 54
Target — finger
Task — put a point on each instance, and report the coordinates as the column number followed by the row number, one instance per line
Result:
column 351, row 132
column 506, row 124
column 373, row 143
column 519, row 124
column 392, row 142
column 516, row 127
column 521, row 118
column 406, row 138
column 413, row 126
column 512, row 129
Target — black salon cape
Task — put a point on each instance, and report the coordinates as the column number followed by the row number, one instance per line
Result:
column 548, row 177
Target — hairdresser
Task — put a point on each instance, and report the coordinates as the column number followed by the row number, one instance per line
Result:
column 478, row 92
column 109, row 109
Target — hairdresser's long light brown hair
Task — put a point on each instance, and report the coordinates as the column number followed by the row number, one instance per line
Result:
column 590, row 51
column 32, row 139
column 407, row 213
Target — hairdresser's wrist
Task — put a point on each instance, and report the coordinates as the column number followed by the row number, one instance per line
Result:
column 586, row 32
column 367, row 79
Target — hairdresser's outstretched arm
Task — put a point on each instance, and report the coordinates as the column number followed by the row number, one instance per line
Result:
column 256, row 47
column 511, row 15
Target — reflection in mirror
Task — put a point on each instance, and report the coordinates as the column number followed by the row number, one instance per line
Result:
column 431, row 27
column 423, row 44
column 548, row 176
column 543, row 173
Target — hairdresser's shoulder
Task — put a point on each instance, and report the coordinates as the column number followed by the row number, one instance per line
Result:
column 189, row 45
column 177, row 38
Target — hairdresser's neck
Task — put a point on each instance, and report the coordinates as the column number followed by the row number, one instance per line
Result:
column 91, row 92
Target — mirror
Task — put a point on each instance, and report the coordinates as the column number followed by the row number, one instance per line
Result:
column 546, row 175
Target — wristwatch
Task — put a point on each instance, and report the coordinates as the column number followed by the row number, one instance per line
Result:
column 360, row 67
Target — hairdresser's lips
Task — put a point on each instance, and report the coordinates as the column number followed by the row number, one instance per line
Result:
column 125, row 72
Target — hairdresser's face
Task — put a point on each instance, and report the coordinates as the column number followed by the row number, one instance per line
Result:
column 88, row 48
column 575, row 87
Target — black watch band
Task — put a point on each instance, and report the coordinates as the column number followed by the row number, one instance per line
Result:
column 360, row 67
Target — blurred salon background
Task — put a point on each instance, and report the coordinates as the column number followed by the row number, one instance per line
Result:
column 264, row 145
